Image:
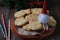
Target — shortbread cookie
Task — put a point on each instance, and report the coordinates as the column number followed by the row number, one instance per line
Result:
column 21, row 13
column 33, row 25
column 20, row 21
column 37, row 10
column 37, row 25
column 31, row 17
column 27, row 11
column 27, row 27
column 52, row 21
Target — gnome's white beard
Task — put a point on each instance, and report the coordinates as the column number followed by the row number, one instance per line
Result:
column 43, row 18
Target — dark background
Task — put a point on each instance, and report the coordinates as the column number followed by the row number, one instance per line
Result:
column 52, row 5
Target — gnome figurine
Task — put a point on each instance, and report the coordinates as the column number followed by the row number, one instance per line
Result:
column 43, row 17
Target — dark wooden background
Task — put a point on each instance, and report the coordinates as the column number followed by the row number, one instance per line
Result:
column 53, row 6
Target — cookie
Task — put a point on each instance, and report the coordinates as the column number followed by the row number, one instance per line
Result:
column 21, row 13
column 33, row 25
column 27, row 11
column 52, row 21
column 27, row 27
column 31, row 17
column 20, row 21
column 37, row 10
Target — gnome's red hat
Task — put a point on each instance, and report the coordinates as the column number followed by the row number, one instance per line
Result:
column 43, row 17
column 44, row 10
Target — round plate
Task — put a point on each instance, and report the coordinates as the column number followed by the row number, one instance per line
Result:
column 42, row 36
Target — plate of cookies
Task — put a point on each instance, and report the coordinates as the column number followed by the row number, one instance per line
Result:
column 34, row 23
column 27, row 24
